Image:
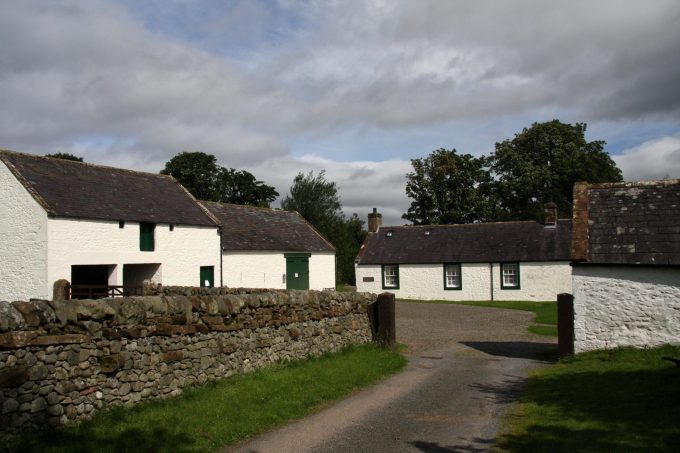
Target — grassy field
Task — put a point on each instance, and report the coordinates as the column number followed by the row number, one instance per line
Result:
column 205, row 418
column 545, row 319
column 625, row 400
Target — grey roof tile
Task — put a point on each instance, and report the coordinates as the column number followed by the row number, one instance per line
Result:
column 470, row 243
column 80, row 190
column 628, row 223
column 252, row 228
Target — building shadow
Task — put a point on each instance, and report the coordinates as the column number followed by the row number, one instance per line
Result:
column 546, row 352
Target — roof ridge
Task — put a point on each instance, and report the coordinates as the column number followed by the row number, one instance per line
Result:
column 452, row 225
column 75, row 162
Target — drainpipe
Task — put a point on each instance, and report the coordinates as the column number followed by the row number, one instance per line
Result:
column 491, row 280
column 219, row 231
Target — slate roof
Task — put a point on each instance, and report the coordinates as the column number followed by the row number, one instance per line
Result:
column 469, row 243
column 67, row 188
column 252, row 228
column 627, row 223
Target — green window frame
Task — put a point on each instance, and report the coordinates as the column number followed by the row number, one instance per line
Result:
column 510, row 276
column 453, row 277
column 146, row 236
column 390, row 276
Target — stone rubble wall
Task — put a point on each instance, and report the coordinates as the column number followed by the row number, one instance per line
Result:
column 60, row 361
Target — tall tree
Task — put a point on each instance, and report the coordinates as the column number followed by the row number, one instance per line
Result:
column 542, row 163
column 447, row 187
column 241, row 187
column 200, row 174
column 65, row 156
column 317, row 200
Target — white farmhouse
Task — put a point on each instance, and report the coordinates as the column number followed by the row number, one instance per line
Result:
column 268, row 248
column 485, row 261
column 94, row 225
column 626, row 264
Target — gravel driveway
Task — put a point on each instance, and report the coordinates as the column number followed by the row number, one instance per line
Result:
column 466, row 365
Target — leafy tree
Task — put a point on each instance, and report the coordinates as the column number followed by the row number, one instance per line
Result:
column 447, row 187
column 200, row 174
column 241, row 187
column 542, row 163
column 317, row 200
column 197, row 172
column 65, row 156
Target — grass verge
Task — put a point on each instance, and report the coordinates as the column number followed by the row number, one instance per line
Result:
column 206, row 418
column 603, row 401
column 545, row 319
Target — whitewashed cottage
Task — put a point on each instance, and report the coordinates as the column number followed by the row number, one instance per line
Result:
column 626, row 264
column 270, row 248
column 98, row 226
column 485, row 261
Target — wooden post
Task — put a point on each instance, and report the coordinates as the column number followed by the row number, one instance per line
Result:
column 386, row 331
column 565, row 324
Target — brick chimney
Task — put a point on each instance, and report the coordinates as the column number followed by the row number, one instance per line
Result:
column 550, row 214
column 374, row 221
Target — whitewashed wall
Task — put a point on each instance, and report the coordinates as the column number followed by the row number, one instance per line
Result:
column 625, row 306
column 266, row 269
column 538, row 281
column 23, row 242
column 180, row 252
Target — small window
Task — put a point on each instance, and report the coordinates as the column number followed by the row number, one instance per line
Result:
column 452, row 277
column 510, row 276
column 121, row 224
column 390, row 276
column 146, row 236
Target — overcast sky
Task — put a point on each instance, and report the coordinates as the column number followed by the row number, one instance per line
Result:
column 354, row 87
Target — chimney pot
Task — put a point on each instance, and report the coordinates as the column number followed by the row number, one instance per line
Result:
column 550, row 214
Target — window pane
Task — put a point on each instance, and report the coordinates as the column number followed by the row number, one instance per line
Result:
column 390, row 273
column 510, row 274
column 453, row 276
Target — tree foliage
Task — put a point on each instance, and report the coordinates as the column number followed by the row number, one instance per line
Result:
column 65, row 156
column 200, row 174
column 317, row 200
column 542, row 163
column 447, row 187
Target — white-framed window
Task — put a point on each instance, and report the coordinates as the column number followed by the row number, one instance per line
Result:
column 390, row 274
column 452, row 276
column 509, row 275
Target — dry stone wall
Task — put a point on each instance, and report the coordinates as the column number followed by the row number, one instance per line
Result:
column 61, row 361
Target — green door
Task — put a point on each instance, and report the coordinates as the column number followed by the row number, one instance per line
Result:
column 207, row 276
column 297, row 270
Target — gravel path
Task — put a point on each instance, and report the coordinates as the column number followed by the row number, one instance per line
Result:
column 466, row 365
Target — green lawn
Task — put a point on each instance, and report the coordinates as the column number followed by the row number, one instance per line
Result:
column 545, row 319
column 205, row 418
column 624, row 400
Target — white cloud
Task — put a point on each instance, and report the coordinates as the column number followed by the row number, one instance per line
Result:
column 654, row 159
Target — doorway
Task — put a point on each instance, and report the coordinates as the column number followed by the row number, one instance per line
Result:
column 297, row 270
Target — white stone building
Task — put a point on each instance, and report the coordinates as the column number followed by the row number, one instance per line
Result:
column 95, row 225
column 626, row 264
column 487, row 261
column 269, row 248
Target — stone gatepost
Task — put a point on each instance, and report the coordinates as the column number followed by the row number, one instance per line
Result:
column 61, row 290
